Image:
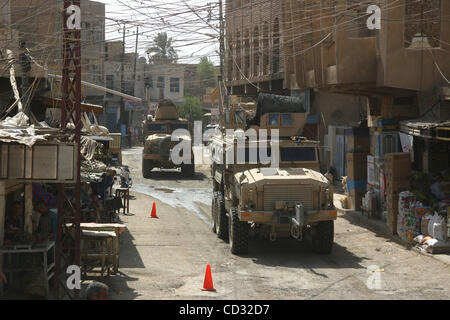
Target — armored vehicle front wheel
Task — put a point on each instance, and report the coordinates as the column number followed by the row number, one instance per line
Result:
column 238, row 233
column 322, row 237
column 147, row 166
column 221, row 218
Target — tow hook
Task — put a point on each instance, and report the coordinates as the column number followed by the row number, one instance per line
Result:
column 298, row 221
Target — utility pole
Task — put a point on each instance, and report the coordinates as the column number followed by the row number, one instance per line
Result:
column 134, row 69
column 67, row 251
column 122, row 84
column 135, row 56
column 223, row 96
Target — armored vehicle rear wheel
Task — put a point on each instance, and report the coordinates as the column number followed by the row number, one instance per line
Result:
column 221, row 218
column 147, row 166
column 323, row 237
column 188, row 170
column 239, row 231
column 214, row 211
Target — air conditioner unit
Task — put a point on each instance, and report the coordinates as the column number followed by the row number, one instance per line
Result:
column 386, row 142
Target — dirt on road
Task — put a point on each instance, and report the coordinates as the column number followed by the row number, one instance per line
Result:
column 166, row 258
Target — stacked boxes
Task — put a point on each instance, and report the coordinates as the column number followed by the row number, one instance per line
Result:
column 397, row 168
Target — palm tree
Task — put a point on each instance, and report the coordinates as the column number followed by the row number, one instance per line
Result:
column 162, row 51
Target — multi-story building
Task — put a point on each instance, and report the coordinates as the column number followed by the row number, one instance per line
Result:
column 325, row 51
column 165, row 81
column 33, row 32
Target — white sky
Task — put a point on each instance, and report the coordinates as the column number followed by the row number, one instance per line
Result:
column 194, row 34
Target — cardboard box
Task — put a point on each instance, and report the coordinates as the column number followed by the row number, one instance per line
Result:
column 397, row 166
column 394, row 187
column 356, row 166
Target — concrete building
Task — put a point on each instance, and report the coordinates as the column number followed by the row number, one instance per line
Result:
column 325, row 52
column 33, row 32
column 165, row 82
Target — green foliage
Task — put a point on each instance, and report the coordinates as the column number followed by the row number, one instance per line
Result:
column 161, row 50
column 192, row 109
column 207, row 73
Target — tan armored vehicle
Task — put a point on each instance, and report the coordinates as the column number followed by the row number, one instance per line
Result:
column 158, row 144
column 292, row 199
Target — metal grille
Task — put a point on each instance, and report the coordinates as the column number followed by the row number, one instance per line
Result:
column 292, row 193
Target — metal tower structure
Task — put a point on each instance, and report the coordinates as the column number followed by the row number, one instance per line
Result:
column 69, row 202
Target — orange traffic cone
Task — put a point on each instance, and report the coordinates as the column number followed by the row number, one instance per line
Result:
column 153, row 214
column 208, row 283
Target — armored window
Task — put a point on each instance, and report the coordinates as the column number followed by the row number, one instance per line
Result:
column 287, row 119
column 274, row 119
column 298, row 154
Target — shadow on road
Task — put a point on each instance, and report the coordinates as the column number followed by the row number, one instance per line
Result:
column 118, row 286
column 129, row 256
column 290, row 253
column 175, row 175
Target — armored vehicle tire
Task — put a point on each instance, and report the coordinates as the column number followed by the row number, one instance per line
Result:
column 323, row 237
column 147, row 166
column 239, row 233
column 214, row 212
column 221, row 219
column 188, row 170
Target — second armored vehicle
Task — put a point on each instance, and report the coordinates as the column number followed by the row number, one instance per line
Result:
column 158, row 144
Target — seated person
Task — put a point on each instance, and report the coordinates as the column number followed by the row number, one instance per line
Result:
column 13, row 223
column 96, row 209
column 45, row 230
column 436, row 188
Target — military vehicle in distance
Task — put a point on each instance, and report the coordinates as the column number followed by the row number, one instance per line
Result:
column 158, row 142
column 291, row 200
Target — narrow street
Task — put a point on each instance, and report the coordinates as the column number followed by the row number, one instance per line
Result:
column 166, row 258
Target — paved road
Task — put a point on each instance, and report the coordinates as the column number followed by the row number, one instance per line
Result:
column 166, row 258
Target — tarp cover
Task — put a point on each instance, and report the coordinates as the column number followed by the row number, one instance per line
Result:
column 275, row 103
column 16, row 129
column 268, row 103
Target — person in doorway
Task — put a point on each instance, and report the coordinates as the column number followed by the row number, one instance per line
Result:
column 96, row 209
column 13, row 222
column 45, row 228
column 436, row 188
column 129, row 136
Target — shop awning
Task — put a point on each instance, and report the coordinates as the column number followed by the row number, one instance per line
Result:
column 85, row 107
column 424, row 128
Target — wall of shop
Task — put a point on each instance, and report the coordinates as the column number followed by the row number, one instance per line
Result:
column 336, row 109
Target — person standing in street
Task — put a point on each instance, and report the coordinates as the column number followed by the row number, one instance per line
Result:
column 129, row 135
